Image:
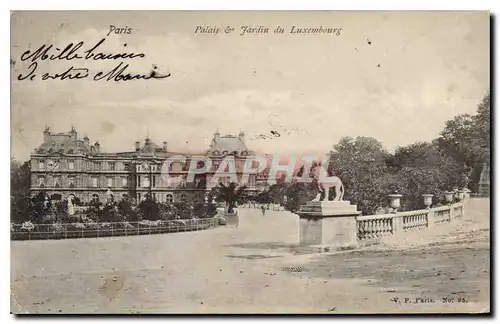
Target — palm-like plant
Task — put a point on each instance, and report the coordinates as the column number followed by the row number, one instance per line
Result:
column 230, row 193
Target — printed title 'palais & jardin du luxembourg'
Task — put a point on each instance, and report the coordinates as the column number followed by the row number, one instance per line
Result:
column 65, row 164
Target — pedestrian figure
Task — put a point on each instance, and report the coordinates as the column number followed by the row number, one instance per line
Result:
column 263, row 210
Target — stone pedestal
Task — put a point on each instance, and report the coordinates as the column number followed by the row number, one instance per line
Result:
column 328, row 225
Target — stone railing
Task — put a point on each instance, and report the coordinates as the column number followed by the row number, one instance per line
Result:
column 376, row 227
column 332, row 225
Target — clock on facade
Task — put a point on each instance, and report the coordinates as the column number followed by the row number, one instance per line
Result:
column 51, row 164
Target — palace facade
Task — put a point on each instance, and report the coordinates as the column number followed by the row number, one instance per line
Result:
column 65, row 164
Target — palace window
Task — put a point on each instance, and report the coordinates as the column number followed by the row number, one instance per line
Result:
column 110, row 182
column 145, row 181
column 124, row 182
column 170, row 198
column 41, row 165
column 71, row 182
column 112, row 166
column 71, row 165
column 94, row 182
column 183, row 198
column 57, row 182
column 41, row 181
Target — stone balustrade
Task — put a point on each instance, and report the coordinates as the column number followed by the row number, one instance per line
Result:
column 376, row 227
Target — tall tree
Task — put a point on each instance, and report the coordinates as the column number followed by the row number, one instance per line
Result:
column 483, row 121
column 360, row 163
column 20, row 190
column 466, row 139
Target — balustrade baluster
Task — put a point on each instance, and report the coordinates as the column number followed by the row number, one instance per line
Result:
column 370, row 229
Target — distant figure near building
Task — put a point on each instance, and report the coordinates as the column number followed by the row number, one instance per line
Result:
column 263, row 208
column 484, row 181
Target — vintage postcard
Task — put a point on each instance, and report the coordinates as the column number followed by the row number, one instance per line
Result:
column 250, row 162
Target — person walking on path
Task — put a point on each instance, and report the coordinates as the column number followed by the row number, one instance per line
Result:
column 263, row 208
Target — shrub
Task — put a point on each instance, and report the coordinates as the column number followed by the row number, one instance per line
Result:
column 28, row 226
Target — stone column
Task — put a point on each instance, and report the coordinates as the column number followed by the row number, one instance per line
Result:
column 328, row 225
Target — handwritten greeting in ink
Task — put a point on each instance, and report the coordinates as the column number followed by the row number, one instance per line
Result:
column 80, row 52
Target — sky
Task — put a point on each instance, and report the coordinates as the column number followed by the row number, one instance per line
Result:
column 394, row 76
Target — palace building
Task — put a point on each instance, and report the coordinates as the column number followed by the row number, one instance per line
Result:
column 65, row 164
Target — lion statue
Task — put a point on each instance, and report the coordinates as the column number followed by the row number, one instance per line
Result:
column 325, row 184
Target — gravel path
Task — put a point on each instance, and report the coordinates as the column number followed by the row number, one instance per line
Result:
column 252, row 269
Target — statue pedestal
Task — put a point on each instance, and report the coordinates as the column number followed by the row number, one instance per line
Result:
column 328, row 225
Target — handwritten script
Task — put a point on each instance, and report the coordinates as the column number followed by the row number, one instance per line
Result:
column 76, row 52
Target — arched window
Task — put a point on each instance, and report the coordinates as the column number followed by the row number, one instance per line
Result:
column 170, row 198
column 183, row 197
column 216, row 153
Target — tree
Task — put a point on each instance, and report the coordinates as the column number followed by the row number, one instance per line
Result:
column 230, row 194
column 298, row 193
column 361, row 164
column 483, row 121
column 422, row 168
column 149, row 209
column 20, row 203
column 466, row 139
